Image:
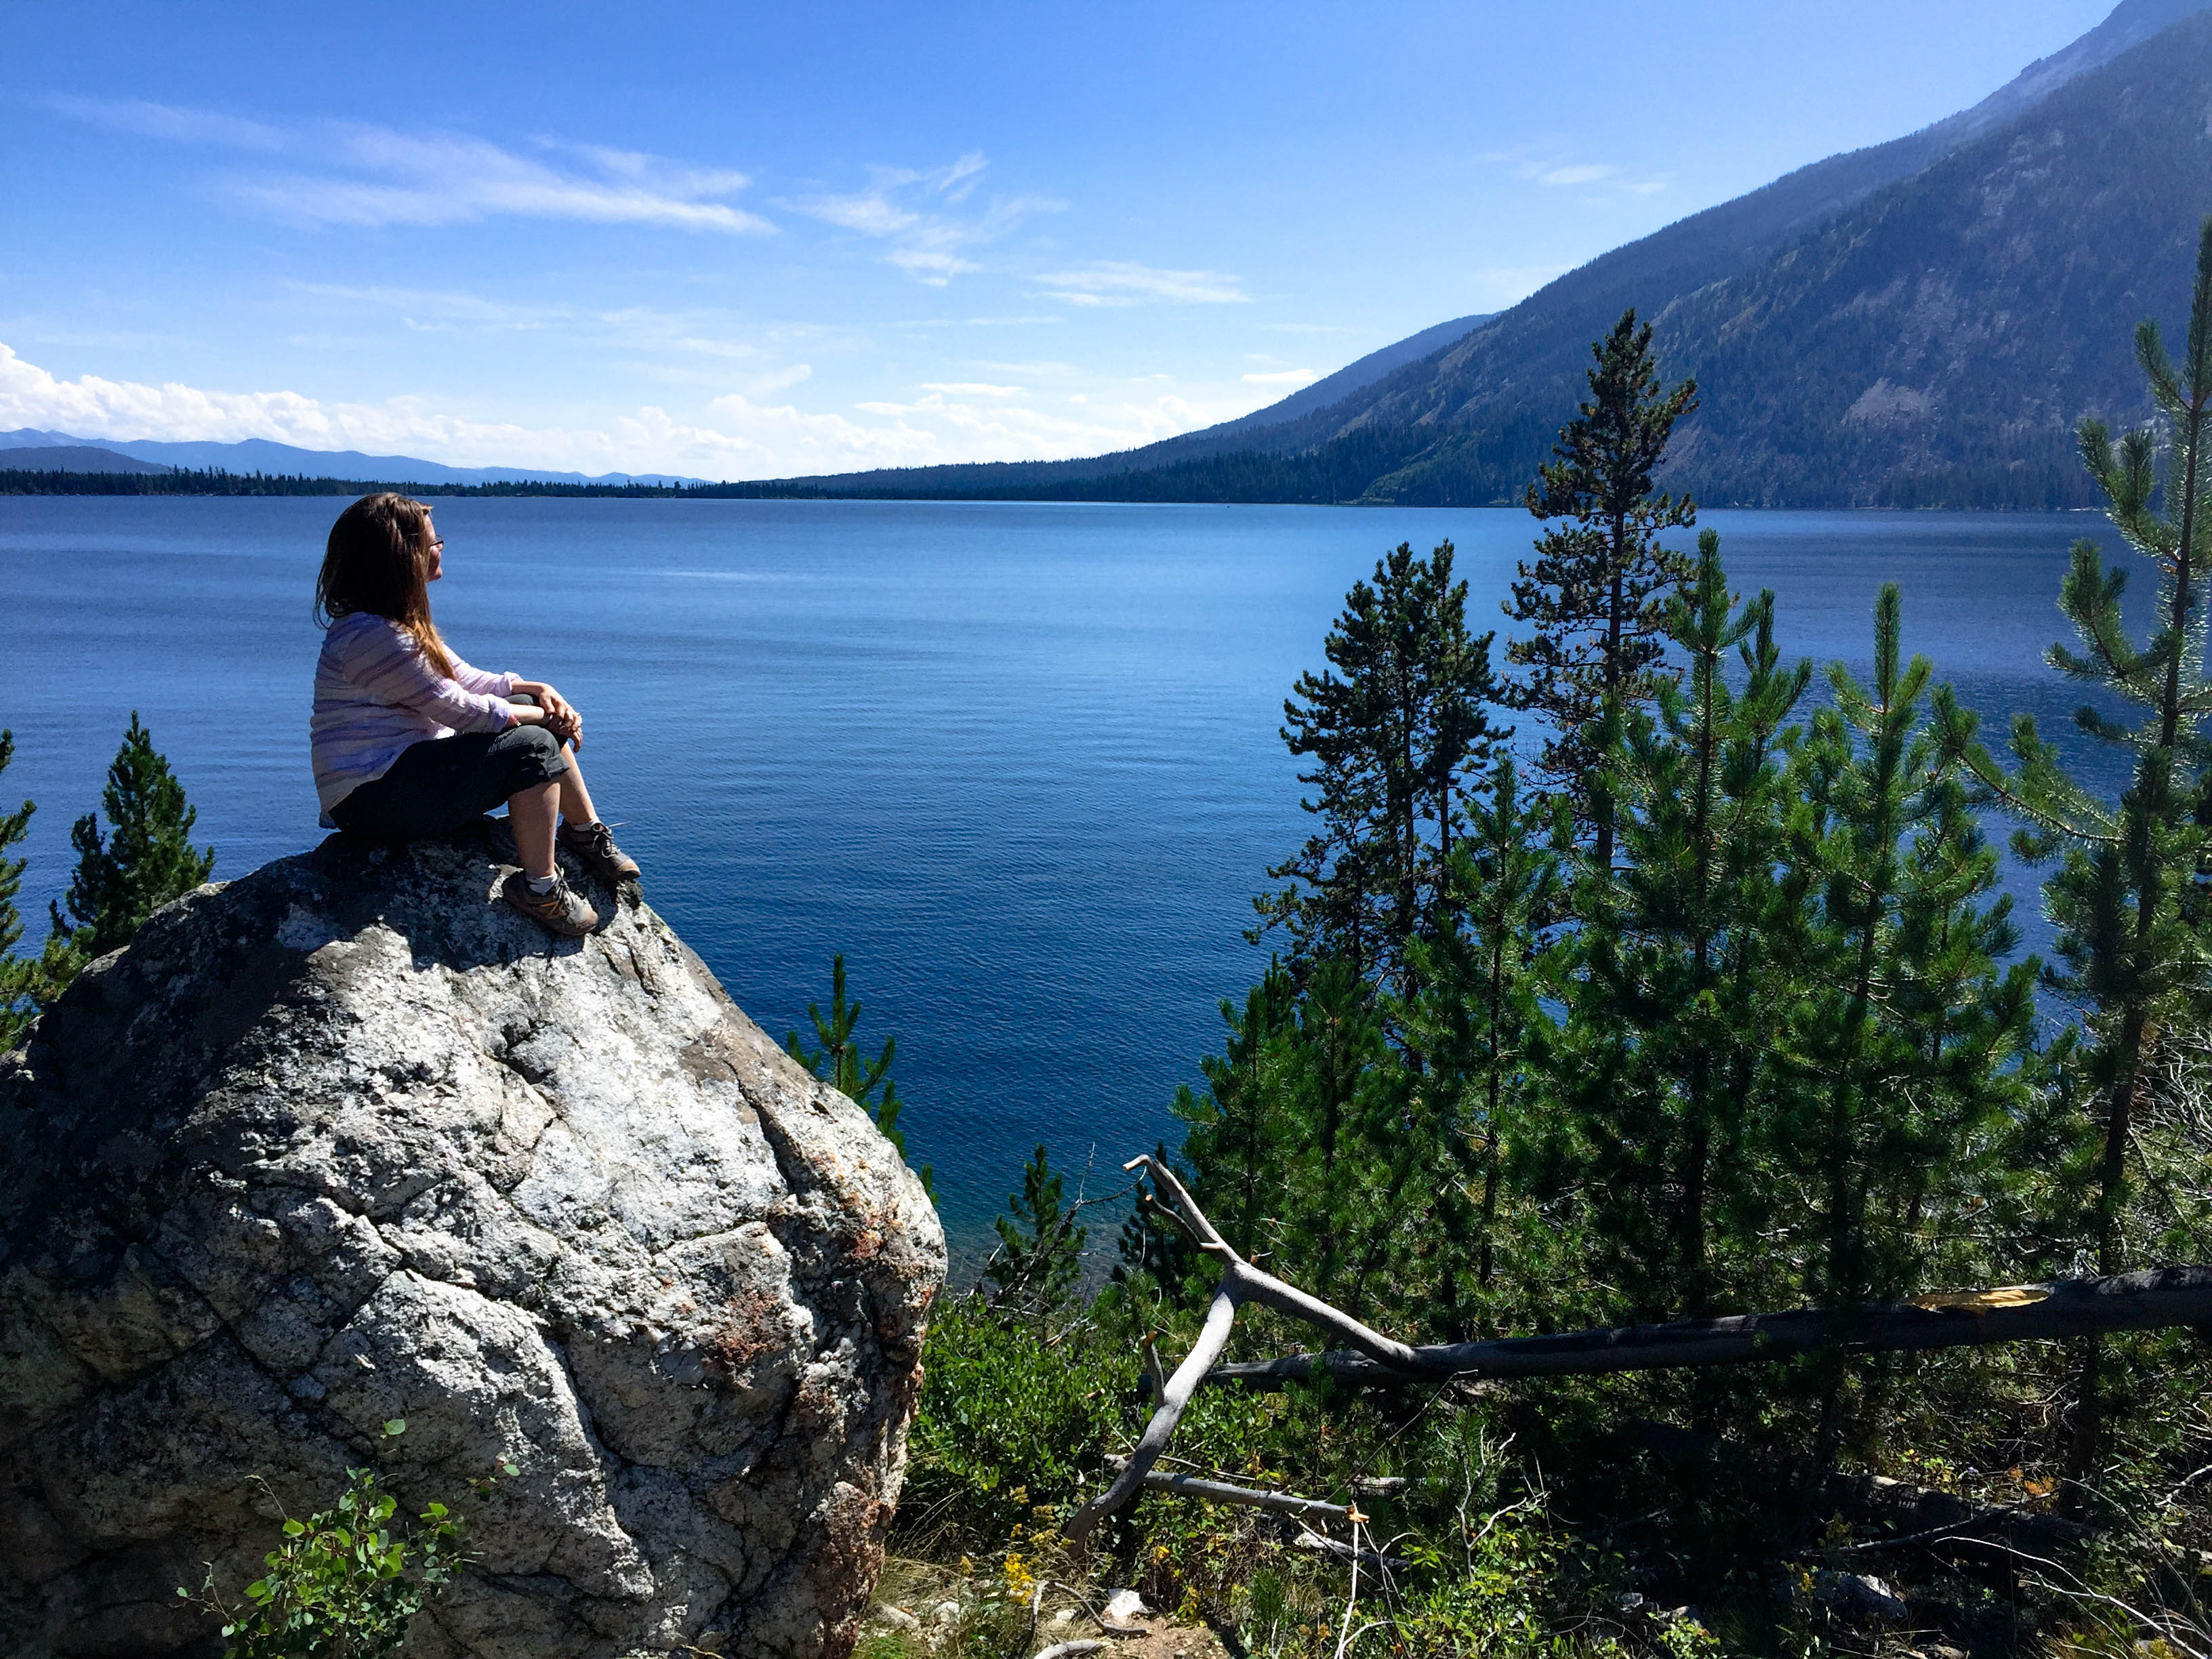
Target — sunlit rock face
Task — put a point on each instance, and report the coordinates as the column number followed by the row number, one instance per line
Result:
column 344, row 1141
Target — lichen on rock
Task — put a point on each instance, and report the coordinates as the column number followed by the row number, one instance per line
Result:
column 343, row 1141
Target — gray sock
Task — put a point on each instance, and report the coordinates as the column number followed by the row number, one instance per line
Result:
column 541, row 885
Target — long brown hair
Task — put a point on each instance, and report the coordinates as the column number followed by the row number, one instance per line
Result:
column 378, row 561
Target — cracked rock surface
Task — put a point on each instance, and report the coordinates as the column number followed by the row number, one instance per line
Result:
column 343, row 1141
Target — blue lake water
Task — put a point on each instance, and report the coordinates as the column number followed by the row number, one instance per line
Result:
column 1019, row 763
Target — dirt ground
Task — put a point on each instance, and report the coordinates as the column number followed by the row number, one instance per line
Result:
column 915, row 1588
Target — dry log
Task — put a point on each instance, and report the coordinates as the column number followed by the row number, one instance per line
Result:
column 1373, row 1560
column 2158, row 1298
column 2153, row 1299
column 1250, row 1498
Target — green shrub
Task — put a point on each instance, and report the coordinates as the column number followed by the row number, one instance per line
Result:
column 1010, row 1425
column 345, row 1583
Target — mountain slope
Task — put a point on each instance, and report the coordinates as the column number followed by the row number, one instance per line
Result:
column 261, row 455
column 1468, row 423
column 1936, row 343
column 71, row 457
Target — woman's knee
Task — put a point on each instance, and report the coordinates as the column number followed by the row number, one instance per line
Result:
column 534, row 753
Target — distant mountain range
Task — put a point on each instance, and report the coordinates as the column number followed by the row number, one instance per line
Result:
column 1919, row 323
column 30, row 449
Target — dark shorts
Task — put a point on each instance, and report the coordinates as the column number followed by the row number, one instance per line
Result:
column 437, row 787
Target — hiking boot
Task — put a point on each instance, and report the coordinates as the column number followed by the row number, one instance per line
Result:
column 558, row 910
column 593, row 845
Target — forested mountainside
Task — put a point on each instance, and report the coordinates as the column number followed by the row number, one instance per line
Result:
column 1919, row 323
column 1935, row 345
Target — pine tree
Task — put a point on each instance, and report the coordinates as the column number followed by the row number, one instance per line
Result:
column 1396, row 730
column 21, row 984
column 840, row 1063
column 1672, row 1012
column 1039, row 1259
column 2128, row 894
column 1236, row 1129
column 1597, row 589
column 1907, row 1036
column 145, row 861
column 1480, row 1001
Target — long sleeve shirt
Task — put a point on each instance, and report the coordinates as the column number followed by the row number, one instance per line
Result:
column 377, row 694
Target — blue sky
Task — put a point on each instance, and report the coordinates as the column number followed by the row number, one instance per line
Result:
column 746, row 240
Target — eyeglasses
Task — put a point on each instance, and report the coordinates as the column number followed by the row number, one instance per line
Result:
column 437, row 542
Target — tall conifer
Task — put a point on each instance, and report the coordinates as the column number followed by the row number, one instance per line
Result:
column 1397, row 731
column 21, row 982
column 1907, row 1034
column 1480, row 1000
column 2127, row 895
column 1597, row 588
column 1671, row 1027
column 145, row 860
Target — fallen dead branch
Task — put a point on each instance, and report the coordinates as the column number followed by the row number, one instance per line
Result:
column 1373, row 1560
column 1250, row 1498
column 2154, row 1299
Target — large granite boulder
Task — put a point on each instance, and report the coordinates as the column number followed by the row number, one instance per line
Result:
column 343, row 1141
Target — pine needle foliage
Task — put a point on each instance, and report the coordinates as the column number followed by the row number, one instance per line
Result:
column 2128, row 894
column 1597, row 589
column 840, row 1063
column 1666, row 1053
column 25, row 981
column 1039, row 1259
column 1397, row 731
column 145, row 859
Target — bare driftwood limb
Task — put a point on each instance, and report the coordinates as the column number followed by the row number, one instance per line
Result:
column 1174, row 1399
column 2153, row 1299
column 1373, row 1560
column 1250, row 1498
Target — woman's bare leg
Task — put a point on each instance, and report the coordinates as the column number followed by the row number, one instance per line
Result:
column 575, row 800
column 529, row 816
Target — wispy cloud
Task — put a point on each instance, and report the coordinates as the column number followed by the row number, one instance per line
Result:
column 915, row 212
column 1124, row 283
column 972, row 389
column 340, row 174
column 171, row 122
column 377, row 176
column 762, row 386
column 1537, row 165
column 1283, row 377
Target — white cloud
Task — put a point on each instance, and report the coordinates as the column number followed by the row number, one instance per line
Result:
column 971, row 388
column 369, row 175
column 1124, row 283
column 443, row 178
column 911, row 209
column 779, row 379
column 1283, row 377
column 748, row 439
column 1533, row 165
column 171, row 122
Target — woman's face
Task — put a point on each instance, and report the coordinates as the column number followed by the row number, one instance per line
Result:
column 437, row 565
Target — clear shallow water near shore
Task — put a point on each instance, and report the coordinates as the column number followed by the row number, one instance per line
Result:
column 1018, row 762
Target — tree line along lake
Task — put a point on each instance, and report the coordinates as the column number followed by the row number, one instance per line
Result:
column 1019, row 763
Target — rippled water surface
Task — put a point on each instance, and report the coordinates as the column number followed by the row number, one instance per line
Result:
column 1019, row 763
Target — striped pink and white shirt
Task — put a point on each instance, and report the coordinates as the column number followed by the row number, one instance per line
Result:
column 376, row 694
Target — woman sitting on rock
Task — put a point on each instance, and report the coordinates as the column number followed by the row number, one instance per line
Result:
column 410, row 742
